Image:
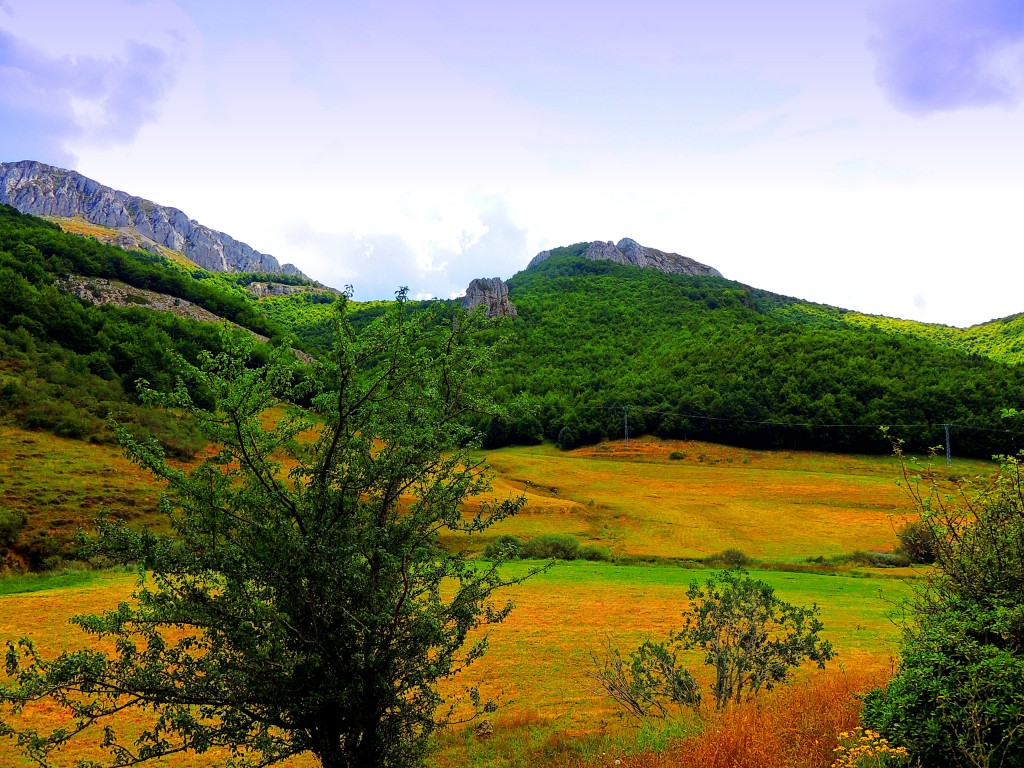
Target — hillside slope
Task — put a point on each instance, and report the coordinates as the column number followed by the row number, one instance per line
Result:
column 707, row 358
column 80, row 324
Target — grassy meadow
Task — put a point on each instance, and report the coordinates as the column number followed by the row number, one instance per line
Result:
column 779, row 508
column 534, row 666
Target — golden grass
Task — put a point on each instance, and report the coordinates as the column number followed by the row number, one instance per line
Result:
column 796, row 727
column 778, row 506
column 78, row 226
column 535, row 660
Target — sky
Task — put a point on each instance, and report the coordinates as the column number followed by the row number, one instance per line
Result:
column 867, row 154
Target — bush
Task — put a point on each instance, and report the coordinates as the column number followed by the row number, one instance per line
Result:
column 730, row 558
column 677, row 456
column 504, row 546
column 875, row 559
column 547, row 546
column 958, row 698
column 596, row 554
column 918, row 541
column 551, row 546
column 11, row 523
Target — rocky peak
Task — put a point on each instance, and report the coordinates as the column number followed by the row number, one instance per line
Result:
column 630, row 252
column 44, row 190
column 492, row 293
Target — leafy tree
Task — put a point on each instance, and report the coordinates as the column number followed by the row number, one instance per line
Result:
column 303, row 603
column 958, row 698
column 751, row 638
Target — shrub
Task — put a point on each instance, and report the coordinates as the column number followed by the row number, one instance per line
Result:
column 875, row 559
column 752, row 639
column 594, row 553
column 551, row 546
column 918, row 541
column 11, row 523
column 958, row 698
column 730, row 558
column 506, row 546
column 677, row 456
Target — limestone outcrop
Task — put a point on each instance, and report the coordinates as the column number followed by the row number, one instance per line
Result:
column 628, row 251
column 44, row 190
column 492, row 293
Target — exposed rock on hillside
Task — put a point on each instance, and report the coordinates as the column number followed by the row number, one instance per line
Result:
column 492, row 293
column 630, row 252
column 275, row 289
column 44, row 190
column 98, row 290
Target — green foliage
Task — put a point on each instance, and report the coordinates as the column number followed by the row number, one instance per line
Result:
column 547, row 546
column 918, row 541
column 70, row 365
column 505, row 547
column 876, row 559
column 650, row 683
column 958, row 698
column 729, row 558
column 706, row 358
column 11, row 523
column 751, row 638
column 303, row 602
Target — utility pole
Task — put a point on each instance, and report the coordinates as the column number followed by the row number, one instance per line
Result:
column 949, row 450
column 625, row 422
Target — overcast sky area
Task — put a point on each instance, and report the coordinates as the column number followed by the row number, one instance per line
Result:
column 862, row 153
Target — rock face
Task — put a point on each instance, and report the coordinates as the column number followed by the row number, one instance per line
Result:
column 492, row 293
column 44, row 190
column 628, row 251
column 274, row 289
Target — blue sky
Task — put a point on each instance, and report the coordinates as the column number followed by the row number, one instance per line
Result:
column 864, row 153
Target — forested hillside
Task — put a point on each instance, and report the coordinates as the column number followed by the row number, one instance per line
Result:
column 700, row 357
column 596, row 345
column 68, row 364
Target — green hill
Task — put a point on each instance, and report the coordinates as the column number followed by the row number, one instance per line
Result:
column 70, row 361
column 595, row 344
column 707, row 358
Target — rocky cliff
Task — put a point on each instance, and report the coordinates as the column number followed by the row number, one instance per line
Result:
column 628, row 251
column 492, row 293
column 44, row 190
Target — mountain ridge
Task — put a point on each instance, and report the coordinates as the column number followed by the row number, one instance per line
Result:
column 45, row 190
column 630, row 253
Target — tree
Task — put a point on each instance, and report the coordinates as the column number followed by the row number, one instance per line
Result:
column 751, row 638
column 958, row 696
column 303, row 602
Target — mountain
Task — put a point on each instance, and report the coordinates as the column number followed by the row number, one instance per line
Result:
column 44, row 190
column 629, row 252
column 597, row 344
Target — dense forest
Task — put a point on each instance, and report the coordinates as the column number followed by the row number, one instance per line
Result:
column 707, row 358
column 67, row 365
